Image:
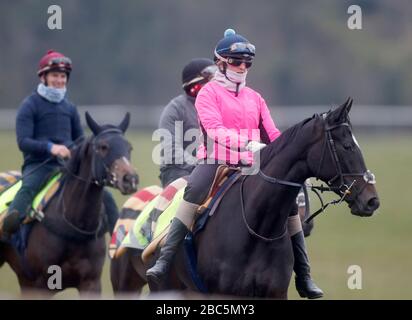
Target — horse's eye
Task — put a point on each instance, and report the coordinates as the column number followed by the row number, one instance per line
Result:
column 348, row 146
column 103, row 148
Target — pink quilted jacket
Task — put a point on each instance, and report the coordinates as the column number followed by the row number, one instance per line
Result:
column 228, row 122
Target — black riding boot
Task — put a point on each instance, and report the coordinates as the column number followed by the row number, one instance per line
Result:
column 175, row 236
column 304, row 284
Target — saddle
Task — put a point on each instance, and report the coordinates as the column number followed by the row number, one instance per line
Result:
column 143, row 225
column 211, row 202
column 8, row 178
column 222, row 174
column 10, row 184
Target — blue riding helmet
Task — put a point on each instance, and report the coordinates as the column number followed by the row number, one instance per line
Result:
column 235, row 46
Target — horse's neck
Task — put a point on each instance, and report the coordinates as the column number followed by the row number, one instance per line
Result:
column 82, row 198
column 273, row 203
column 83, row 195
column 288, row 164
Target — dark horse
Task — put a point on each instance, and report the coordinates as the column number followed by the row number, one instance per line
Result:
column 71, row 236
column 245, row 248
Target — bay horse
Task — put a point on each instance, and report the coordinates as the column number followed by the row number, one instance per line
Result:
column 245, row 249
column 71, row 235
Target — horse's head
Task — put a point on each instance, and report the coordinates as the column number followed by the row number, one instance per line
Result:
column 337, row 159
column 111, row 156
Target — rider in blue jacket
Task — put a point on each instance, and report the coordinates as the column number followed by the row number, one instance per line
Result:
column 47, row 124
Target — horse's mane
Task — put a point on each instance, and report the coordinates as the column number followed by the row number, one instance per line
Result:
column 78, row 152
column 287, row 137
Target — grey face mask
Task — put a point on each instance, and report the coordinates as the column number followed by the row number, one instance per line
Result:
column 54, row 95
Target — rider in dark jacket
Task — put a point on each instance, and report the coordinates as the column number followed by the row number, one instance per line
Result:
column 47, row 124
column 180, row 116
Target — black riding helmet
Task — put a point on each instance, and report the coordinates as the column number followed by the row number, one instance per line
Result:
column 196, row 71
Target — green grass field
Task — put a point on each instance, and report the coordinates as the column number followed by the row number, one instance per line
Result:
column 380, row 245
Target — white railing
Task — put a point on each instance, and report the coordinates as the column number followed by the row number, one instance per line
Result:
column 147, row 117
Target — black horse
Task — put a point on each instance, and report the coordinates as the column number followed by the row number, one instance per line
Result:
column 245, row 248
column 71, row 236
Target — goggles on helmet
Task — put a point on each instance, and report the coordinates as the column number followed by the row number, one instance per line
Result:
column 58, row 63
column 237, row 48
column 242, row 47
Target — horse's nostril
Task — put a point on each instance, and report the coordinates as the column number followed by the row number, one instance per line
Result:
column 131, row 179
column 373, row 203
column 127, row 178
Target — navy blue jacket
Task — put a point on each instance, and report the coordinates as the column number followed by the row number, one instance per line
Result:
column 40, row 122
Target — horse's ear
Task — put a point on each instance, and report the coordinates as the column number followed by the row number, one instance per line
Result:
column 125, row 122
column 341, row 113
column 349, row 106
column 92, row 124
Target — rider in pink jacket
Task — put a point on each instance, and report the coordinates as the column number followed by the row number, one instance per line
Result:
column 231, row 121
column 235, row 122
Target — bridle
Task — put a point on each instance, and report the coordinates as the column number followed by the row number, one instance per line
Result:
column 343, row 189
column 108, row 179
column 101, row 180
column 368, row 177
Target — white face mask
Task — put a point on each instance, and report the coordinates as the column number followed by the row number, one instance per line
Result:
column 51, row 94
column 236, row 77
column 233, row 81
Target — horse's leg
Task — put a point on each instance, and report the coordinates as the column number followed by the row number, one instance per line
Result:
column 280, row 295
column 29, row 288
column 90, row 288
column 2, row 253
column 30, row 291
column 90, row 273
column 9, row 255
column 124, row 277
